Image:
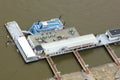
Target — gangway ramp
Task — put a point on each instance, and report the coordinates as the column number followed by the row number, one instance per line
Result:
column 112, row 54
column 54, row 68
column 81, row 61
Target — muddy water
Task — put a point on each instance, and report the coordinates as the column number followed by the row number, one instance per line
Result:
column 88, row 16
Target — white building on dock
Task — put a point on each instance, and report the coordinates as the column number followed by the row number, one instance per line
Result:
column 57, row 47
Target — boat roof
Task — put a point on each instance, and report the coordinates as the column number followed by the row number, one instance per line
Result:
column 115, row 31
column 40, row 26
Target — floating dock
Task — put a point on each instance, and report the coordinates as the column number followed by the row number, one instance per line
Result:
column 69, row 40
column 21, row 42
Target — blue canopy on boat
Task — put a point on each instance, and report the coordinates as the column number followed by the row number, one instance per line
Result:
column 40, row 26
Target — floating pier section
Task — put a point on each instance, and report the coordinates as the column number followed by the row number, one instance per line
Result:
column 43, row 43
column 112, row 54
column 54, row 68
column 81, row 61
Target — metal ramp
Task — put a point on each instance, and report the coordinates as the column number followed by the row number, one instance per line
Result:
column 81, row 61
column 54, row 68
column 112, row 54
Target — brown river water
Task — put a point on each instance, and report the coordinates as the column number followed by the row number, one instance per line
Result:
column 88, row 16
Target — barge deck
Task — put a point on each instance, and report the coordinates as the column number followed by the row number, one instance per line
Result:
column 16, row 33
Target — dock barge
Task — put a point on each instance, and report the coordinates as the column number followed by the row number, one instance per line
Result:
column 21, row 42
column 53, row 43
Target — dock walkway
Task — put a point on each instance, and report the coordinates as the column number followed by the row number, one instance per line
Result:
column 81, row 61
column 112, row 54
column 54, row 68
